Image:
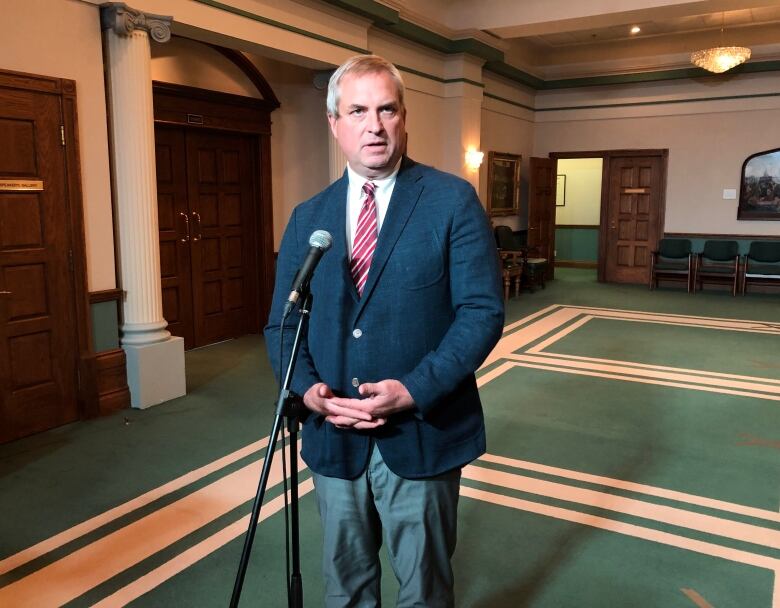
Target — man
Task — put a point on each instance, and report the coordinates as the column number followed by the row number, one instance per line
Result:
column 406, row 306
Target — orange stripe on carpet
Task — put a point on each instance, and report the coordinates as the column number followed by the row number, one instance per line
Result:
column 88, row 567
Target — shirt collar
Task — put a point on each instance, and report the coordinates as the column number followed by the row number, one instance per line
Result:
column 356, row 180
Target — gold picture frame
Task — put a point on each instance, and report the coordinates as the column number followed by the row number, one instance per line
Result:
column 503, row 195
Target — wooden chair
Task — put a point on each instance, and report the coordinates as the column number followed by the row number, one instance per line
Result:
column 511, row 270
column 718, row 262
column 672, row 260
column 762, row 264
column 534, row 266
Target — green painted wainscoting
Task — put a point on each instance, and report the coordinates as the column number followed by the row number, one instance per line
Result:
column 576, row 244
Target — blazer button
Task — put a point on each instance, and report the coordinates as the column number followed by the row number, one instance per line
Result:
column 355, row 382
column 357, row 333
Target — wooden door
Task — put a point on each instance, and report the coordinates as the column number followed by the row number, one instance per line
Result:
column 634, row 216
column 38, row 334
column 541, row 209
column 175, row 232
column 224, row 265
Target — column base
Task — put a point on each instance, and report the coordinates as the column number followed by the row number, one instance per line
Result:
column 155, row 372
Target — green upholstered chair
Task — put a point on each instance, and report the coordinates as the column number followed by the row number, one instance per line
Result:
column 718, row 262
column 672, row 260
column 762, row 264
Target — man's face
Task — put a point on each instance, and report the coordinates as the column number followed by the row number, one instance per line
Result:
column 371, row 128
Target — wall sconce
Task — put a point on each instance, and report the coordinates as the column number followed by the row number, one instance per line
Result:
column 474, row 158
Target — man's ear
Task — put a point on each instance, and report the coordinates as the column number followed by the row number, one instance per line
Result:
column 332, row 122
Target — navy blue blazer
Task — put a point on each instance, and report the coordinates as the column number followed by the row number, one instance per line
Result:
column 430, row 313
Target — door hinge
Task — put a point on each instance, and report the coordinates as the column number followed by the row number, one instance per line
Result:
column 62, row 134
column 70, row 260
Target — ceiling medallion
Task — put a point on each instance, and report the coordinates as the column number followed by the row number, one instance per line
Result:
column 720, row 58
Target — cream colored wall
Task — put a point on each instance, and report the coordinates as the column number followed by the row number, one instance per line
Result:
column 507, row 127
column 708, row 139
column 583, row 191
column 62, row 39
column 197, row 65
column 299, row 138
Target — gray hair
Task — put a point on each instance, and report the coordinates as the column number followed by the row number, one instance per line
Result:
column 358, row 66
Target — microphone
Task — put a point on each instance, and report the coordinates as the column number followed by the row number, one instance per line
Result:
column 320, row 241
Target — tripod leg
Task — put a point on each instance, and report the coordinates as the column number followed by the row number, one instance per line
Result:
column 250, row 533
column 295, row 597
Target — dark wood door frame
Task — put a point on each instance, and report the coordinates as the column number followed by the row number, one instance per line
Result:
column 65, row 90
column 607, row 155
column 202, row 109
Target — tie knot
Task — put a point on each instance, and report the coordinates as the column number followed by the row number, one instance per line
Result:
column 369, row 188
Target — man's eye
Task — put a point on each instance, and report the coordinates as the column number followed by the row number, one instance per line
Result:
column 388, row 111
column 357, row 112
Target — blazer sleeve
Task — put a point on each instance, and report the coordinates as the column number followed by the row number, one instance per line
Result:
column 291, row 254
column 477, row 303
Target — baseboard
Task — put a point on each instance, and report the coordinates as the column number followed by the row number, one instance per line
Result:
column 104, row 383
column 575, row 264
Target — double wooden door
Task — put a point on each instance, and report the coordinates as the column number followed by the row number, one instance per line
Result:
column 634, row 216
column 38, row 332
column 207, row 221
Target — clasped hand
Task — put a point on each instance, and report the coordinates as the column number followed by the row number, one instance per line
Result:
column 379, row 400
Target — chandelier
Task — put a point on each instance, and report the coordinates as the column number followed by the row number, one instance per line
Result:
column 720, row 58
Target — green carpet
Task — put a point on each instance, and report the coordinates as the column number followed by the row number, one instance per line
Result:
column 701, row 520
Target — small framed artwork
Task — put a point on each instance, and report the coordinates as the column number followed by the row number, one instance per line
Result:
column 560, row 190
column 503, row 184
column 759, row 187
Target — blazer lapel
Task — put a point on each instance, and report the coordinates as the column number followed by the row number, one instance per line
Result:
column 405, row 195
column 334, row 220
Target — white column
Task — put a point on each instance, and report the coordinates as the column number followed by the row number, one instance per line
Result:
column 155, row 359
column 337, row 162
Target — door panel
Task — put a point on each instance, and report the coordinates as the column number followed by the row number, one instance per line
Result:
column 633, row 214
column 174, row 223
column 541, row 209
column 222, row 216
column 38, row 342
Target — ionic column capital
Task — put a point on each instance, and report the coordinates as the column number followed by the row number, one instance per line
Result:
column 123, row 20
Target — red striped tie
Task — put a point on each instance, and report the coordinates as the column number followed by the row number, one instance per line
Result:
column 365, row 239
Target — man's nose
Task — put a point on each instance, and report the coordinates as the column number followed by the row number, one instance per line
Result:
column 375, row 123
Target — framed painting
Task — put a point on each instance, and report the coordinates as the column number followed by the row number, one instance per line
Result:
column 759, row 187
column 503, row 184
column 560, row 190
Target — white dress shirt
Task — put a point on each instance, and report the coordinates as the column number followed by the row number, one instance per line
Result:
column 356, row 196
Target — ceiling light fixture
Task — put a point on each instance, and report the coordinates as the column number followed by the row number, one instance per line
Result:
column 719, row 59
column 636, row 29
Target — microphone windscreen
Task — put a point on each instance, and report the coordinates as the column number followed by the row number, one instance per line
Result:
column 321, row 239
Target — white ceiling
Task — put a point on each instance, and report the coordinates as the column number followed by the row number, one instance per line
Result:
column 569, row 38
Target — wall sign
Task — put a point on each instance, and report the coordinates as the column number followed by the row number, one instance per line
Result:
column 21, row 185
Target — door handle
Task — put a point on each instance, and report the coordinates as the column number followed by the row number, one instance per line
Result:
column 186, row 225
column 199, row 236
column 5, row 293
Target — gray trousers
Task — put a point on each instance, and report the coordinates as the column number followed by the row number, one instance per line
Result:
column 419, row 520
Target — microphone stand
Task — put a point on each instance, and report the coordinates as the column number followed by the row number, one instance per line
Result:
column 289, row 405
